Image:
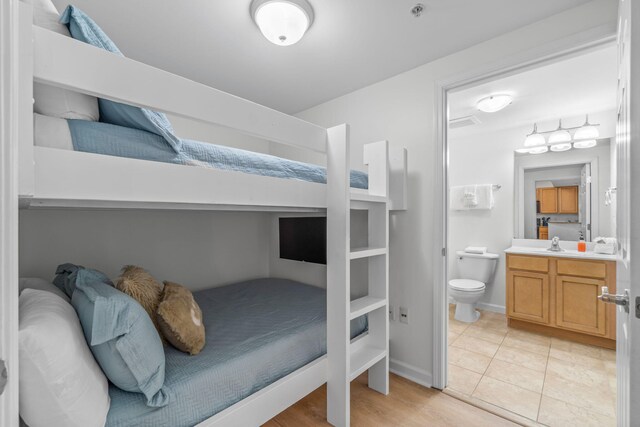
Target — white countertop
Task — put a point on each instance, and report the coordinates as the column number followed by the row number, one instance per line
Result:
column 566, row 253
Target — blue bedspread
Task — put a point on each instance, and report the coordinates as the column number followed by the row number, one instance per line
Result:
column 256, row 332
column 112, row 140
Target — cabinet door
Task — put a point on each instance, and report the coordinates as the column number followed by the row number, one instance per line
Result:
column 548, row 200
column 568, row 200
column 578, row 307
column 528, row 296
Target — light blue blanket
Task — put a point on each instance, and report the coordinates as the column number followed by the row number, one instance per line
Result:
column 256, row 333
column 112, row 140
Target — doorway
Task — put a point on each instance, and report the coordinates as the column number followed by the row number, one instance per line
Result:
column 509, row 353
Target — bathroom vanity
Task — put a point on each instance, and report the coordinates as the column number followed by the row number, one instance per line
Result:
column 556, row 293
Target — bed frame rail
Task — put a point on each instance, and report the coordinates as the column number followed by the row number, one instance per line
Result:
column 64, row 62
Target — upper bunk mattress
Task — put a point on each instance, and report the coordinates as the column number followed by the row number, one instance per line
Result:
column 257, row 332
column 112, row 140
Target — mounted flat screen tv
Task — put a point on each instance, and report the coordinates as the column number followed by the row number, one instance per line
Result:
column 304, row 239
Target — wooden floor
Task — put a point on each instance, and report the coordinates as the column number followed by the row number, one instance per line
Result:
column 408, row 404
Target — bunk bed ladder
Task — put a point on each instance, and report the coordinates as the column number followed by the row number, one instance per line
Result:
column 348, row 359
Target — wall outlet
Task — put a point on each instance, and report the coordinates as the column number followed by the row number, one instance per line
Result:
column 392, row 313
column 404, row 315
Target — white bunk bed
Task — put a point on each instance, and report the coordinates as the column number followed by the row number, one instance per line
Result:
column 53, row 178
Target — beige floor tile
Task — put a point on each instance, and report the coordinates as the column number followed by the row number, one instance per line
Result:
column 534, row 361
column 577, row 348
column 613, row 384
column 610, row 366
column 595, row 399
column 516, row 375
column 608, row 355
column 508, row 396
column 476, row 345
column 522, row 343
column 469, row 360
column 463, row 380
column 581, row 359
column 530, row 337
column 556, row 413
column 457, row 327
column 451, row 337
column 577, row 373
column 486, row 334
column 492, row 322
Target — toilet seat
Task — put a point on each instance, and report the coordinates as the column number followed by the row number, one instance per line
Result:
column 466, row 285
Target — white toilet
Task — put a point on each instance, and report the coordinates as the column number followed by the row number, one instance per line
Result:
column 476, row 270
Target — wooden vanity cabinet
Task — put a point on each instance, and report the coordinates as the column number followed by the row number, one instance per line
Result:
column 548, row 200
column 558, row 200
column 568, row 200
column 559, row 297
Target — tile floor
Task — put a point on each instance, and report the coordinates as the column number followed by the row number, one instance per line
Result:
column 548, row 380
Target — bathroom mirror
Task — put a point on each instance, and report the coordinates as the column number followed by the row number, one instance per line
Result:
column 566, row 194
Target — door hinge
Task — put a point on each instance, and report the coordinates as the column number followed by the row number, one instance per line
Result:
column 444, row 251
column 637, row 307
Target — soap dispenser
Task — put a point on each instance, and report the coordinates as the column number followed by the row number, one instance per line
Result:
column 582, row 245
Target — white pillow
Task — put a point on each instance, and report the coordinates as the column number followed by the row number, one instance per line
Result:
column 53, row 101
column 61, row 385
column 42, row 285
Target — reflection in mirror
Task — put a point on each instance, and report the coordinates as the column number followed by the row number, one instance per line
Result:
column 563, row 194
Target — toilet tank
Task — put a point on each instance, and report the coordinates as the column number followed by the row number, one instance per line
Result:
column 476, row 266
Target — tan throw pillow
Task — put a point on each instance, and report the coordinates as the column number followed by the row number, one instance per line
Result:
column 180, row 319
column 143, row 287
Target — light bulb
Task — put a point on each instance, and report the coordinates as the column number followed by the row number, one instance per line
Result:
column 588, row 143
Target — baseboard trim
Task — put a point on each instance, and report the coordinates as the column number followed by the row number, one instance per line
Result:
column 486, row 306
column 410, row 372
column 492, row 307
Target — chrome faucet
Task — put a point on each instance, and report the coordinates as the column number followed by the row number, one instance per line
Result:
column 555, row 245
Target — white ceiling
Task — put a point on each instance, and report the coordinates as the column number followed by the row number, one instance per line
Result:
column 573, row 87
column 351, row 44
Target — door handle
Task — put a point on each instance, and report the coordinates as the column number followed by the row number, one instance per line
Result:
column 622, row 300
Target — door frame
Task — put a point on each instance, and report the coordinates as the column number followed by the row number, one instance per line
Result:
column 9, row 133
column 574, row 45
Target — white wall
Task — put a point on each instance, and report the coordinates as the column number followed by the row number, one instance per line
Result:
column 401, row 110
column 197, row 249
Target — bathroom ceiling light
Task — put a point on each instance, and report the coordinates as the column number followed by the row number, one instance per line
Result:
column 534, row 138
column 282, row 22
column 585, row 143
column 494, row 103
column 559, row 135
column 563, row 146
column 587, row 131
column 539, row 150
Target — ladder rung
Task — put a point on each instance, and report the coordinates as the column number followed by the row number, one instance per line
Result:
column 365, row 357
column 366, row 197
column 367, row 252
column 366, row 305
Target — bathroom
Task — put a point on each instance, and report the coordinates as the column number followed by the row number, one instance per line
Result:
column 539, row 166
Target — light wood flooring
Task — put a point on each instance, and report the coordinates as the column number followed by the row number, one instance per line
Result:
column 408, row 404
column 550, row 381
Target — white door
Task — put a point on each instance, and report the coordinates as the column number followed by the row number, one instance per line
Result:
column 628, row 201
column 8, row 213
column 585, row 201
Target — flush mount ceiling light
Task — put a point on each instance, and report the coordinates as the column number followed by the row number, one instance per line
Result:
column 588, row 143
column 586, row 131
column 559, row 135
column 282, row 22
column 563, row 146
column 494, row 103
column 534, row 138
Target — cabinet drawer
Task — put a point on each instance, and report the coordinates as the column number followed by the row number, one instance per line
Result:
column 572, row 267
column 529, row 263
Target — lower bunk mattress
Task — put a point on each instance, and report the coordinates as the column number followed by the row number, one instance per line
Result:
column 257, row 332
column 112, row 140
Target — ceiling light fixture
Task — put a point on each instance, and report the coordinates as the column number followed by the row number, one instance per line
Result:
column 534, row 138
column 588, row 143
column 563, row 146
column 523, row 150
column 587, row 131
column 282, row 22
column 494, row 103
column 559, row 135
